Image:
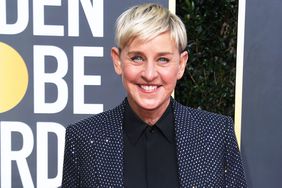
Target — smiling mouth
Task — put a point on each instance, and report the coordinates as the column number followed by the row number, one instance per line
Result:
column 149, row 88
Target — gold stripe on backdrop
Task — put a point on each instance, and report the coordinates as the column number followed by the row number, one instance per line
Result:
column 172, row 8
column 239, row 69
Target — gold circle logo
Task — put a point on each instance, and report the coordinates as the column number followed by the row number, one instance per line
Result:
column 13, row 77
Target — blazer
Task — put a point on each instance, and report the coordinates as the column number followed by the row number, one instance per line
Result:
column 207, row 151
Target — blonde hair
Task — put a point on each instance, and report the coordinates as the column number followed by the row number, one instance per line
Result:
column 147, row 21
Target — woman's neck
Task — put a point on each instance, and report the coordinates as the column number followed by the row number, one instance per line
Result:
column 150, row 116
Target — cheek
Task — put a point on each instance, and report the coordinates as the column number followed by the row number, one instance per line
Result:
column 170, row 75
column 128, row 74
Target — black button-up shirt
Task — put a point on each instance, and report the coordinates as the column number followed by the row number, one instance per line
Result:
column 149, row 152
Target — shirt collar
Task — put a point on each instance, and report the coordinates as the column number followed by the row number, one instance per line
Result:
column 134, row 127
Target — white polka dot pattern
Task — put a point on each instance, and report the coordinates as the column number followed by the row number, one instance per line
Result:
column 208, row 155
column 207, row 151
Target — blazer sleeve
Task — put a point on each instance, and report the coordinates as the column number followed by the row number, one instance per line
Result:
column 234, row 172
column 71, row 166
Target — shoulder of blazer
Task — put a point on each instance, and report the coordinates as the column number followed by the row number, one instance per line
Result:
column 215, row 130
column 201, row 119
column 106, row 122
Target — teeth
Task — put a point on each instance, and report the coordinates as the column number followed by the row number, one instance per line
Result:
column 148, row 88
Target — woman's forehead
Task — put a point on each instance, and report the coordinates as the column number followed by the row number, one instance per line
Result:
column 163, row 41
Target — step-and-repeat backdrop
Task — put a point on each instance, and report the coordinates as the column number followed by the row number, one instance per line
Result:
column 55, row 69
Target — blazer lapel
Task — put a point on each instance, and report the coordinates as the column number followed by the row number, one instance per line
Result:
column 109, row 149
column 190, row 147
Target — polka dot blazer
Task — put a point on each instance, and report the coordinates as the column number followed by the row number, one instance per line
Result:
column 207, row 152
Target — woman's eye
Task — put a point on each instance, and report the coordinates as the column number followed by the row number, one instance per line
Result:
column 163, row 60
column 137, row 59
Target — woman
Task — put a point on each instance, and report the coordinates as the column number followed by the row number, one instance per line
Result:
column 150, row 140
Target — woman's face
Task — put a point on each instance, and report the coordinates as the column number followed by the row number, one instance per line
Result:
column 149, row 71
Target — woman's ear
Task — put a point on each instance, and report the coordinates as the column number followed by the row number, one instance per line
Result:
column 182, row 64
column 115, row 53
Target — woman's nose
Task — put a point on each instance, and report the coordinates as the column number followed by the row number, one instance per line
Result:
column 149, row 72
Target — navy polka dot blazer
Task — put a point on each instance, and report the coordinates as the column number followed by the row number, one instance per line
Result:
column 207, row 152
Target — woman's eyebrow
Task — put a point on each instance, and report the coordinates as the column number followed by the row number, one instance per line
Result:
column 135, row 52
column 141, row 53
column 165, row 53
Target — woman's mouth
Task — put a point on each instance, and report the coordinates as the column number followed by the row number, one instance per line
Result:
column 149, row 88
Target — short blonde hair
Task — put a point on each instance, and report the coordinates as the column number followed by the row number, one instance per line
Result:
column 147, row 21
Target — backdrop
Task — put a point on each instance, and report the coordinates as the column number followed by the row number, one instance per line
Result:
column 55, row 69
column 262, row 91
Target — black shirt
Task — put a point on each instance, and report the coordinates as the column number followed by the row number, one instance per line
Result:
column 149, row 152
